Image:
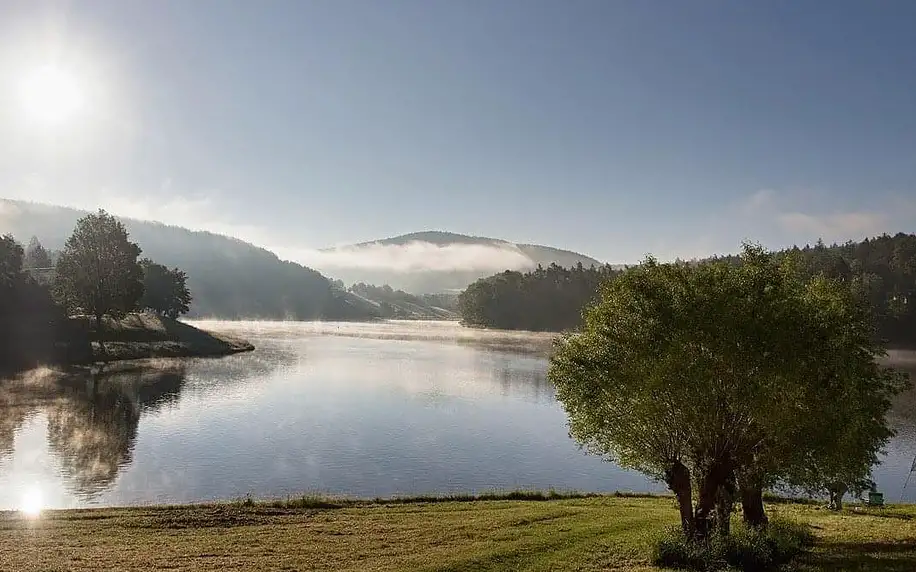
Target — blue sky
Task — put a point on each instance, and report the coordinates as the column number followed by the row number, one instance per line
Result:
column 615, row 128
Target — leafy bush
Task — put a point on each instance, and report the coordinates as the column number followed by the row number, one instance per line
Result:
column 746, row 549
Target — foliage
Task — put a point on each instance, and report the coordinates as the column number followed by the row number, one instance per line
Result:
column 98, row 272
column 722, row 376
column 880, row 270
column 11, row 255
column 165, row 290
column 748, row 549
column 545, row 299
column 29, row 320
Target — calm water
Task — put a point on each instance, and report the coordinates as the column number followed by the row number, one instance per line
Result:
column 355, row 409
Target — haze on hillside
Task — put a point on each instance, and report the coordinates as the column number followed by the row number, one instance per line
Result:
column 231, row 278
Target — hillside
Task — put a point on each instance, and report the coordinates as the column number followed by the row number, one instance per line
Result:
column 228, row 278
column 435, row 261
column 399, row 305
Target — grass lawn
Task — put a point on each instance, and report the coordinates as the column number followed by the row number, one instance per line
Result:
column 605, row 533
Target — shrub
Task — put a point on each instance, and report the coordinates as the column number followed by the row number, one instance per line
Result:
column 746, row 549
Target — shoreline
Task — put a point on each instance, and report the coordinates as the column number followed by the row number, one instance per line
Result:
column 142, row 336
column 335, row 502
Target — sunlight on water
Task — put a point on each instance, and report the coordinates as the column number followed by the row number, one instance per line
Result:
column 32, row 503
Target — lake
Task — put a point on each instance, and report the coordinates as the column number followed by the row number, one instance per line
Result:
column 356, row 409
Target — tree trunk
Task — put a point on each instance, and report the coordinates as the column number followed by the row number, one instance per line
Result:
column 712, row 483
column 678, row 480
column 724, row 504
column 752, row 505
column 837, row 492
column 98, row 323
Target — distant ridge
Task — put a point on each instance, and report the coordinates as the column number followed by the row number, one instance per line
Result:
column 436, row 280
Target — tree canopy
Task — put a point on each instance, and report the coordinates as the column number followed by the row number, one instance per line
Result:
column 165, row 290
column 98, row 272
column 723, row 379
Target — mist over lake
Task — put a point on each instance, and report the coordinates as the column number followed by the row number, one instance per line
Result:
column 360, row 409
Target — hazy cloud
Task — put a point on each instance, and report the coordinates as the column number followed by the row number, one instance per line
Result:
column 414, row 256
column 793, row 216
column 835, row 226
column 761, row 200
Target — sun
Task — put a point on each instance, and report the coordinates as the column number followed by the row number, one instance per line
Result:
column 51, row 95
column 32, row 503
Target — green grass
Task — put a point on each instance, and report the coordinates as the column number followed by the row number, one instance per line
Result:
column 432, row 533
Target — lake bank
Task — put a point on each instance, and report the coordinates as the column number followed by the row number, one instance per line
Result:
column 145, row 336
column 567, row 534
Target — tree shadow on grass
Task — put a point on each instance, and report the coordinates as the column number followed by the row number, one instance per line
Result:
column 862, row 556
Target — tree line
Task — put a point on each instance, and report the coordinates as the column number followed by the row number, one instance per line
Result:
column 98, row 273
column 881, row 270
column 544, row 299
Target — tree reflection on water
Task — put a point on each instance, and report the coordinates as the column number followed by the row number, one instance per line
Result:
column 92, row 417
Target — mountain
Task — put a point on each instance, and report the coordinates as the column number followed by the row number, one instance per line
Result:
column 228, row 278
column 435, row 261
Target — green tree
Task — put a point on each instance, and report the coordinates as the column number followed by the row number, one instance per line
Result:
column 29, row 320
column 719, row 378
column 165, row 291
column 97, row 272
column 11, row 256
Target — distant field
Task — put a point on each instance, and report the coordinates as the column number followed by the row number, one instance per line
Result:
column 605, row 533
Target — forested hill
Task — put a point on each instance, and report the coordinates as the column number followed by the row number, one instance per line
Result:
column 883, row 269
column 436, row 261
column 228, row 278
column 545, row 299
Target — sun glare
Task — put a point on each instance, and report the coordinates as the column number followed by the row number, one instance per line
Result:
column 51, row 95
column 31, row 503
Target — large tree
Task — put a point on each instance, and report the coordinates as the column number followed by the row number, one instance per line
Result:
column 165, row 290
column 98, row 272
column 719, row 378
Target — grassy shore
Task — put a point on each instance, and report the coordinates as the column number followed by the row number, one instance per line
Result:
column 597, row 533
column 144, row 336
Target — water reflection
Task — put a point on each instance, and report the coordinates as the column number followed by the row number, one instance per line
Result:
column 92, row 418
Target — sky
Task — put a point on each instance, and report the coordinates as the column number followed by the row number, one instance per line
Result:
column 609, row 127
